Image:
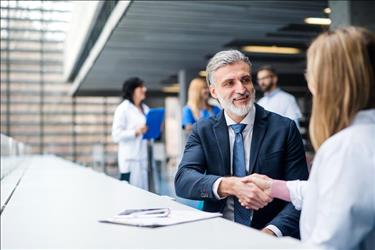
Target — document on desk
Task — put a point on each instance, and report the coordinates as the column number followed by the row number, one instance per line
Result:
column 158, row 217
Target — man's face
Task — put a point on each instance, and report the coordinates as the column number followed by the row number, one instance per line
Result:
column 266, row 80
column 233, row 88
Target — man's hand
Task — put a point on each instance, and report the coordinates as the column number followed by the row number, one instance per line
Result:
column 249, row 195
column 261, row 181
column 273, row 188
column 268, row 231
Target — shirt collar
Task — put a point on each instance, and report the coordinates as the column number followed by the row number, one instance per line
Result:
column 272, row 92
column 248, row 119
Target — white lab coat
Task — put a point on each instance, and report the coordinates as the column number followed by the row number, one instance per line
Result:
column 338, row 200
column 282, row 103
column 132, row 150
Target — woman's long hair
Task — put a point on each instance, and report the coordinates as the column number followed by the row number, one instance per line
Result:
column 194, row 96
column 340, row 67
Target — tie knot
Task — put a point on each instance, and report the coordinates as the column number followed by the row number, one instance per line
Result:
column 238, row 128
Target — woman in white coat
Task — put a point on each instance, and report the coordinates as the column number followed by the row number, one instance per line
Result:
column 129, row 125
column 338, row 200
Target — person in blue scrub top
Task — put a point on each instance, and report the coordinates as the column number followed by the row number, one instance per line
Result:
column 197, row 105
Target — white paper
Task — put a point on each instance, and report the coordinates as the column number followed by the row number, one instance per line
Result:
column 175, row 217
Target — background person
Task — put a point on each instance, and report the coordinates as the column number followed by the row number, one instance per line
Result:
column 197, row 105
column 338, row 200
column 275, row 99
column 129, row 125
column 243, row 139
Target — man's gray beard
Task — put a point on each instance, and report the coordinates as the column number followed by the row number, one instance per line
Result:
column 231, row 108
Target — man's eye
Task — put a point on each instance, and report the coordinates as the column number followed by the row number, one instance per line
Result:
column 246, row 80
column 228, row 84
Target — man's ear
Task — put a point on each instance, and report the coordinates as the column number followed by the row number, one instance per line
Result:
column 213, row 91
column 275, row 79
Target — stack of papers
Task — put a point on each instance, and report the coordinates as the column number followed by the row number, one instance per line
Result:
column 158, row 217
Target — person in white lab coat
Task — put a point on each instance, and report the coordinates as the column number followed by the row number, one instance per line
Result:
column 275, row 99
column 338, row 200
column 129, row 125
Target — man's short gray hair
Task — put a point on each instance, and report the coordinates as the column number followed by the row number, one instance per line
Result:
column 221, row 59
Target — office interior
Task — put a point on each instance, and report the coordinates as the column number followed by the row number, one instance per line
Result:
column 63, row 64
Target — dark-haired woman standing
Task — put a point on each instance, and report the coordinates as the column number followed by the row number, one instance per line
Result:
column 129, row 125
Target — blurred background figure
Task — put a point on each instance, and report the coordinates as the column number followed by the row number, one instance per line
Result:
column 197, row 104
column 129, row 125
column 275, row 99
column 197, row 107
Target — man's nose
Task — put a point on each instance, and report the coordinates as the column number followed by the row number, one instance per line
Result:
column 240, row 87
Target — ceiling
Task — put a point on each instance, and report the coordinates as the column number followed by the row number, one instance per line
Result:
column 156, row 39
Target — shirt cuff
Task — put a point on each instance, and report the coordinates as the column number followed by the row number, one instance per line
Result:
column 215, row 187
column 275, row 230
column 296, row 193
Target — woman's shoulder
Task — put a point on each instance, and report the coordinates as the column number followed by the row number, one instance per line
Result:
column 123, row 105
column 353, row 141
column 186, row 108
column 145, row 108
column 187, row 111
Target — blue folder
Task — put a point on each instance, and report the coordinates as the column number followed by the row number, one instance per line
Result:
column 154, row 120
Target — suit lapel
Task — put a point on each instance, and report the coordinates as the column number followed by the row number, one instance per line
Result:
column 259, row 129
column 222, row 139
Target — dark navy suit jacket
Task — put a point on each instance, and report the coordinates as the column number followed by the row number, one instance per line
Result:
column 276, row 151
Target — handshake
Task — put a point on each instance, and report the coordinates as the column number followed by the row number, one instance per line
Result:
column 253, row 191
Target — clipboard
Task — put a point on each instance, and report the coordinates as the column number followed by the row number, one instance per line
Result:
column 154, row 120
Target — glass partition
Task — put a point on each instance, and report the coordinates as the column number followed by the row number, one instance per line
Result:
column 12, row 154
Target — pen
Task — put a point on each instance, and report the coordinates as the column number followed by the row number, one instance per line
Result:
column 145, row 213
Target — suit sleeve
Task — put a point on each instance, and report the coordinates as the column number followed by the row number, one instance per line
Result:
column 287, row 221
column 191, row 180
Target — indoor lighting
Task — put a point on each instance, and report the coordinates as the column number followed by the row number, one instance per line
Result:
column 271, row 49
column 173, row 88
column 318, row 20
column 327, row 10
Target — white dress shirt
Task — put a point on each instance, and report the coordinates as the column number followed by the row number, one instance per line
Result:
column 338, row 200
column 247, row 134
column 282, row 103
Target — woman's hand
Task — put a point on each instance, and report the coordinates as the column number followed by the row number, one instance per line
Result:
column 261, row 181
column 141, row 130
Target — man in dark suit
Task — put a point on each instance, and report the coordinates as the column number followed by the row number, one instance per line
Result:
column 243, row 139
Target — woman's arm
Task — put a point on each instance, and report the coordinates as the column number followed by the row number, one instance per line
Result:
column 291, row 191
